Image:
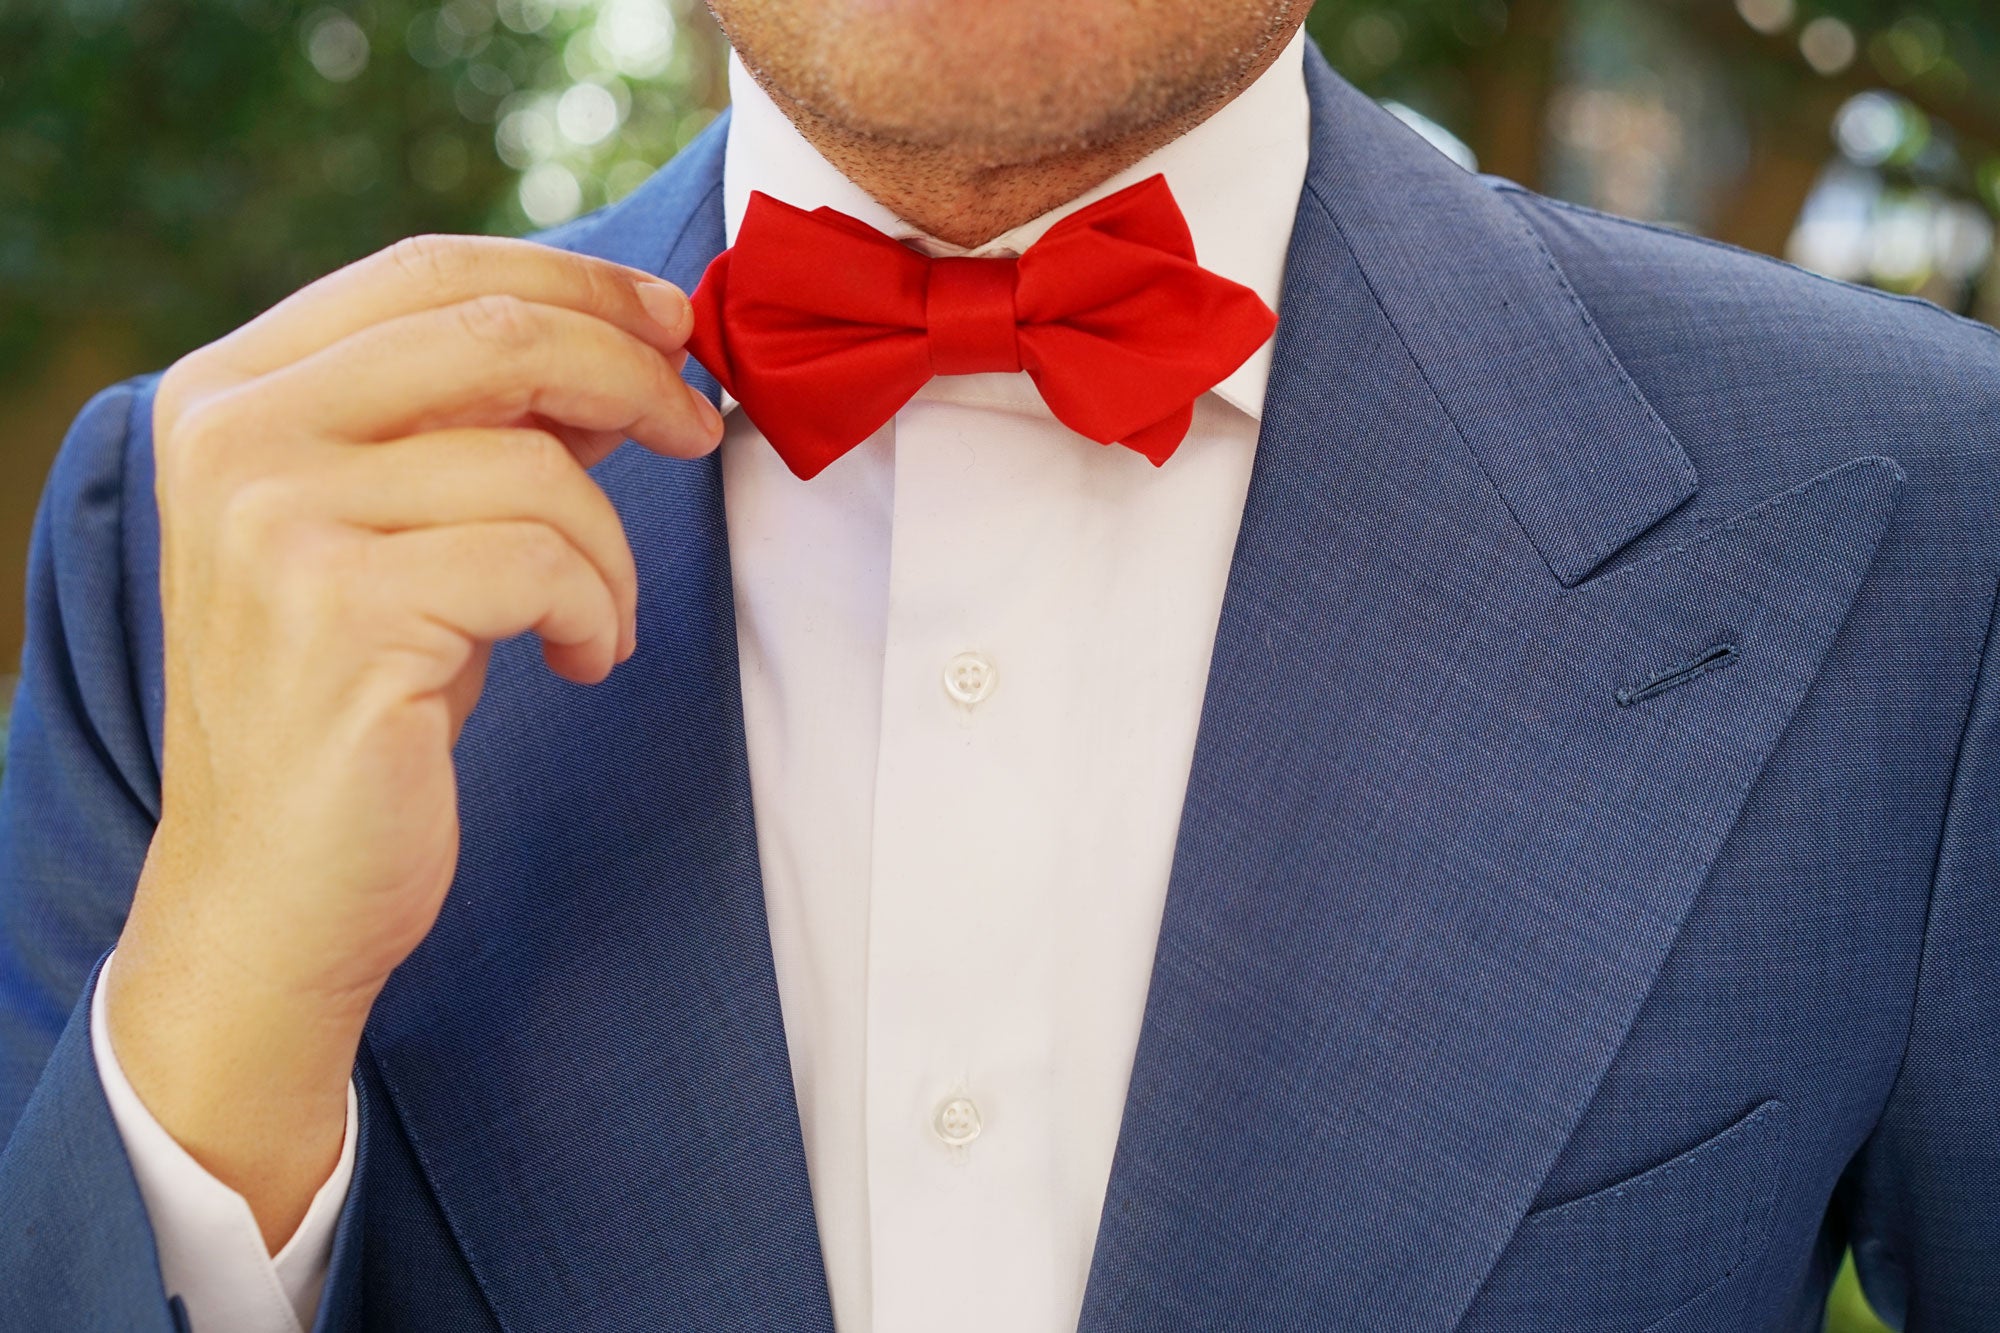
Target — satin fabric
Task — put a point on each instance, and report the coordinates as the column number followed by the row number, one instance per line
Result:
column 822, row 327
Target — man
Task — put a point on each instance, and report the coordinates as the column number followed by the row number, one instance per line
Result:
column 1480, row 811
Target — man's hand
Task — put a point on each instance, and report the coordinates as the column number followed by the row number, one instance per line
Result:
column 359, row 492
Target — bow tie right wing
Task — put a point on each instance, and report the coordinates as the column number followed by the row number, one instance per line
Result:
column 1122, row 330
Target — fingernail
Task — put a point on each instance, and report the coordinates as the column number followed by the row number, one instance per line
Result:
column 668, row 308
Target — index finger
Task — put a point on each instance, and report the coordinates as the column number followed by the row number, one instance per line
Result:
column 429, row 272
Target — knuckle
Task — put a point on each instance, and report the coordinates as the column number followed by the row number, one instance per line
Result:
column 330, row 581
column 544, row 460
column 504, row 323
column 545, row 560
column 200, row 441
column 431, row 260
column 544, row 552
column 301, row 577
column 603, row 290
column 200, row 414
column 668, row 386
column 174, row 391
column 254, row 518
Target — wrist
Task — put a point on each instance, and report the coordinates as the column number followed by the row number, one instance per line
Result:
column 199, row 1039
column 248, row 1076
column 255, row 1092
column 210, row 947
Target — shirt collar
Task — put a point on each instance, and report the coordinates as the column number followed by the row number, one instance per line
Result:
column 1237, row 177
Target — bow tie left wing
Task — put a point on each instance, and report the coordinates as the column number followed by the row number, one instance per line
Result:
column 822, row 338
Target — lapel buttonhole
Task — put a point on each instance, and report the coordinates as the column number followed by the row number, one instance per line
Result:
column 1660, row 682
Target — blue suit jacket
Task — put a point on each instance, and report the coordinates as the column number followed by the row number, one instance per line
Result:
column 1586, row 912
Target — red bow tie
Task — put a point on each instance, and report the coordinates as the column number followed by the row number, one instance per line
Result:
column 822, row 327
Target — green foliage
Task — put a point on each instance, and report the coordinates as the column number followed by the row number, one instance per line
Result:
column 1445, row 55
column 1721, row 115
column 1950, row 46
column 1416, row 51
column 182, row 164
column 1421, row 51
column 1847, row 1309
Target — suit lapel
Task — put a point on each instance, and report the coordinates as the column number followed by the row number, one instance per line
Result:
column 1429, row 863
column 587, row 1052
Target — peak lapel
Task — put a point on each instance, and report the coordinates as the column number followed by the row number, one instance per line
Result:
column 587, row 1053
column 1429, row 865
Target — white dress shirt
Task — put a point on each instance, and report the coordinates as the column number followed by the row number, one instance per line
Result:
column 973, row 656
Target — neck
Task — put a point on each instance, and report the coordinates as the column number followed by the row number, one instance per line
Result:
column 966, row 200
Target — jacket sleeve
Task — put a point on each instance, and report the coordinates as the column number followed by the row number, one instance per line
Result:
column 77, row 808
column 1924, row 1195
column 78, row 804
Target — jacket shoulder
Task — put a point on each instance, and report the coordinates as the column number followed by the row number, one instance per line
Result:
column 89, row 468
column 94, row 554
column 1768, row 374
column 1672, row 302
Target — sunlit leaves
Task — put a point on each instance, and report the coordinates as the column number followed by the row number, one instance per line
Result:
column 187, row 162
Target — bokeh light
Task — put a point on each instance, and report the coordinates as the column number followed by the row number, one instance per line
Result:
column 586, row 114
column 550, row 193
column 1828, row 44
column 336, row 45
column 1874, row 126
column 1767, row 16
column 1882, row 213
column 637, row 36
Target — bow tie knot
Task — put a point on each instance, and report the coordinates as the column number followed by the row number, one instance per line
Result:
column 969, row 307
column 822, row 327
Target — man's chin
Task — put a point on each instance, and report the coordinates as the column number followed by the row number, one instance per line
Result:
column 1007, row 83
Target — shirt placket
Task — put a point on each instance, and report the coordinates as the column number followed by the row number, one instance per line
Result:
column 960, row 1114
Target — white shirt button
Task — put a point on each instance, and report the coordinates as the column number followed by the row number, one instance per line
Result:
column 957, row 1122
column 969, row 677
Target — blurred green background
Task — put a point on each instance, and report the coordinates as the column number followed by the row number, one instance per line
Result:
column 170, row 167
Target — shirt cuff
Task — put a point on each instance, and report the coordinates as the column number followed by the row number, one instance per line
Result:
column 212, row 1254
